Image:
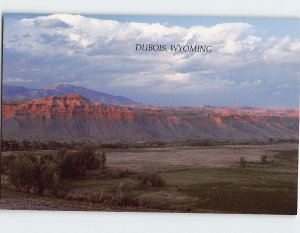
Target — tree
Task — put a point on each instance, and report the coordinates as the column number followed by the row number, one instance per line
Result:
column 71, row 165
column 4, row 145
column 102, row 160
column 25, row 173
column 26, row 145
column 49, row 176
column 14, row 145
column 243, row 162
column 88, row 154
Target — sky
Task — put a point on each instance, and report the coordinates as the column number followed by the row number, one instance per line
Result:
column 254, row 61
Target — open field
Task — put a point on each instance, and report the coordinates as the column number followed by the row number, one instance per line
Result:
column 198, row 179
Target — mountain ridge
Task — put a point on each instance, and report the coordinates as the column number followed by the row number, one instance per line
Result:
column 75, row 117
column 23, row 93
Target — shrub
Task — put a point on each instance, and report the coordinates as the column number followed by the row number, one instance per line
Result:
column 32, row 173
column 75, row 164
column 109, row 173
column 71, row 165
column 25, row 173
column 264, row 158
column 243, row 162
column 61, row 152
column 5, row 162
column 151, row 180
column 50, row 178
column 89, row 157
column 123, row 196
column 152, row 203
column 102, row 160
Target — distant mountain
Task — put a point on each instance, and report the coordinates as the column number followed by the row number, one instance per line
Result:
column 22, row 93
column 76, row 117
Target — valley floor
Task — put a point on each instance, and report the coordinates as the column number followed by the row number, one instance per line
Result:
column 203, row 179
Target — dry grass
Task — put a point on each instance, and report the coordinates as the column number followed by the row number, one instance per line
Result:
column 197, row 180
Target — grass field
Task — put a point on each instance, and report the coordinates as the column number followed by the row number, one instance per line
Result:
column 203, row 179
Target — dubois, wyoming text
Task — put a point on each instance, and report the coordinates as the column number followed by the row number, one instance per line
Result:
column 173, row 48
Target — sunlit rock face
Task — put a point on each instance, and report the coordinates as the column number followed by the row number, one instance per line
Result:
column 73, row 116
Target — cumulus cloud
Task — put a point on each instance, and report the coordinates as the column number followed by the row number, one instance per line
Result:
column 100, row 54
column 51, row 23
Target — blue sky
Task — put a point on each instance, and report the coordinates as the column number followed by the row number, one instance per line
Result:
column 255, row 61
column 266, row 26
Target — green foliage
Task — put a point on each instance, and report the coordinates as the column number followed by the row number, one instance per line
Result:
column 37, row 174
column 243, row 162
column 264, row 158
column 71, row 165
column 25, row 173
column 5, row 162
column 151, row 180
column 102, row 160
column 88, row 155
column 75, row 164
column 123, row 197
column 50, row 178
column 28, row 174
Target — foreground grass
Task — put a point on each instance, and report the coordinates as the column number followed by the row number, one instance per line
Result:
column 260, row 188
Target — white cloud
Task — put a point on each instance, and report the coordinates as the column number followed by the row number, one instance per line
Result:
column 295, row 46
column 101, row 53
column 17, row 80
column 282, row 50
column 284, row 85
column 177, row 77
column 258, row 82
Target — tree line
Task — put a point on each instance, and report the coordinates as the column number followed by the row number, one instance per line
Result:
column 26, row 145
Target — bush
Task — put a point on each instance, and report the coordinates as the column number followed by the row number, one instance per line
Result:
column 151, row 180
column 5, row 162
column 124, row 197
column 264, row 158
column 71, row 165
column 102, row 160
column 32, row 173
column 89, row 157
column 121, row 197
column 108, row 174
column 75, row 164
column 50, row 177
column 243, row 162
column 25, row 173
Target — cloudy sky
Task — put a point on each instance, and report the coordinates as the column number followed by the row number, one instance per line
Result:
column 254, row 62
